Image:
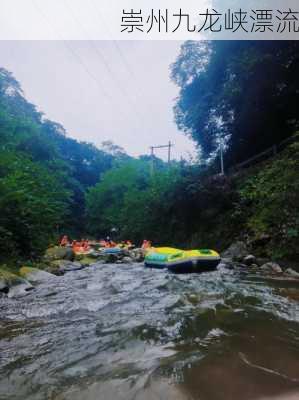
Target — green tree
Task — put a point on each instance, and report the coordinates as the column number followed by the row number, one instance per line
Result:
column 44, row 174
column 242, row 92
column 33, row 205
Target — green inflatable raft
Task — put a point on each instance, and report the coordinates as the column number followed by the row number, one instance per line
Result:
column 182, row 261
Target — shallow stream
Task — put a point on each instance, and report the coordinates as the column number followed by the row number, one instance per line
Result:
column 126, row 332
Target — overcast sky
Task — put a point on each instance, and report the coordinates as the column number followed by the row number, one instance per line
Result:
column 105, row 90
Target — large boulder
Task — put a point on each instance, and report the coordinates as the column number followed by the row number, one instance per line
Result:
column 86, row 261
column 69, row 266
column 13, row 285
column 35, row 275
column 59, row 253
column 272, row 268
column 4, row 287
column 60, row 267
column 54, row 267
column 236, row 252
column 291, row 273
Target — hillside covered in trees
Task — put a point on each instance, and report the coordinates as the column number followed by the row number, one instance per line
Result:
column 43, row 175
column 239, row 95
column 242, row 93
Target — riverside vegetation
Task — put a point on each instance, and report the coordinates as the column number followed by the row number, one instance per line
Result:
column 103, row 326
column 51, row 184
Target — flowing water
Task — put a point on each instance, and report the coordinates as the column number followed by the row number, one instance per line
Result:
column 125, row 332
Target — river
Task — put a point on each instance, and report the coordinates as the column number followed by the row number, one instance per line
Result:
column 125, row 332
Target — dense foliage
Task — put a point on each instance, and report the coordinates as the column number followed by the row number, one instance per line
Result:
column 269, row 204
column 43, row 175
column 242, row 93
column 133, row 201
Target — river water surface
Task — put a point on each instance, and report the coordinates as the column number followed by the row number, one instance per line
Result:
column 125, row 332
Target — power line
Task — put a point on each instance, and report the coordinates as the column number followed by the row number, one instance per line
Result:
column 122, row 56
column 85, row 67
column 78, row 59
column 72, row 51
column 120, row 52
column 135, row 110
column 99, row 54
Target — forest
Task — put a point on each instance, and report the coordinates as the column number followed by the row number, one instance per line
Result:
column 242, row 96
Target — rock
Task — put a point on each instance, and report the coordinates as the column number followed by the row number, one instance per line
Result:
column 59, row 253
column 20, row 290
column 111, row 258
column 125, row 253
column 9, row 278
column 137, row 255
column 35, row 275
column 225, row 265
column 67, row 266
column 292, row 273
column 261, row 261
column 249, row 260
column 291, row 293
column 240, row 265
column 127, row 260
column 86, row 261
column 193, row 298
column 236, row 252
column 4, row 288
column 79, row 257
column 54, row 268
column 13, row 285
column 226, row 260
column 271, row 267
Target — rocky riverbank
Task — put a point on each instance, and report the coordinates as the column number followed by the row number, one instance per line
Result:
column 58, row 261
column 238, row 255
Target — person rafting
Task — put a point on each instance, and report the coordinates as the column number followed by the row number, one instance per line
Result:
column 86, row 245
column 146, row 244
column 109, row 243
column 64, row 241
column 78, row 246
column 102, row 243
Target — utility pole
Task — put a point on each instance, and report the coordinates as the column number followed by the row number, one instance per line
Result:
column 168, row 146
column 152, row 160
